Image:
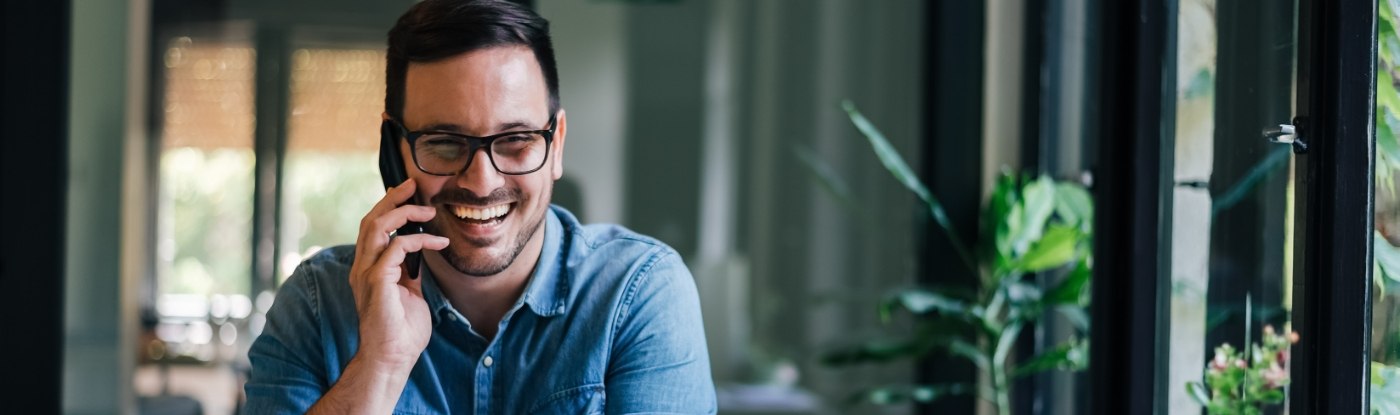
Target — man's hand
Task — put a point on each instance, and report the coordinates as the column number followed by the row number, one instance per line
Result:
column 394, row 322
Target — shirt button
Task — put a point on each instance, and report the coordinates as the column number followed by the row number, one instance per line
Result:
column 487, row 361
column 452, row 317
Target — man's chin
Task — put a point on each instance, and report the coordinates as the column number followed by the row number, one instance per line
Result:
column 477, row 261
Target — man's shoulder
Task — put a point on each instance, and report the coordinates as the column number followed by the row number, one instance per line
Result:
column 608, row 242
column 333, row 262
column 613, row 258
column 324, row 274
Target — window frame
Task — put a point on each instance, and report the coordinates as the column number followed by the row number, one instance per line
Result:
column 1335, row 197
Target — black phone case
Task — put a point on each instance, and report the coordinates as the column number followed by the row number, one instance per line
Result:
column 392, row 170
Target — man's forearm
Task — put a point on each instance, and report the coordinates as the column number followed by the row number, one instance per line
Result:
column 364, row 388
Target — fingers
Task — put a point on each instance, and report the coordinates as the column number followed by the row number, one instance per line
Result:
column 376, row 233
column 393, row 197
column 386, row 216
column 393, row 256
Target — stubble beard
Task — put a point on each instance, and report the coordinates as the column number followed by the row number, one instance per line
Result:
column 481, row 263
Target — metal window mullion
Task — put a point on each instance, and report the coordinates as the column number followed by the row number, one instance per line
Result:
column 269, row 146
column 1335, row 188
column 1132, row 188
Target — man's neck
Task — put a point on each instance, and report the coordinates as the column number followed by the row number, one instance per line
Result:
column 485, row 300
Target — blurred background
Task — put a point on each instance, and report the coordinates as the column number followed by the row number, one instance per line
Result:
column 215, row 144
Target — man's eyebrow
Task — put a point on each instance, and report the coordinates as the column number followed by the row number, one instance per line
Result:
column 500, row 128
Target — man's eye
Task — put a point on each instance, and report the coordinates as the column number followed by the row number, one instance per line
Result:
column 517, row 138
column 515, row 143
column 441, row 147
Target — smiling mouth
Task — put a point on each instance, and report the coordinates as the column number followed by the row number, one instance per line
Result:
column 485, row 215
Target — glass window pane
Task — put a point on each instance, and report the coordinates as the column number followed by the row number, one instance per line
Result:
column 205, row 206
column 1232, row 215
column 331, row 172
column 206, row 168
column 1385, row 322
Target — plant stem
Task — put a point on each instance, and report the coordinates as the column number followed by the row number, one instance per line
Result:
column 1003, row 395
column 1000, row 350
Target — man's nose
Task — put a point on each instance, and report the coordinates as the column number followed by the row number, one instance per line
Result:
column 480, row 176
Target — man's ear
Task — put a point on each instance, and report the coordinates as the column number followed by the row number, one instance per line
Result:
column 561, row 129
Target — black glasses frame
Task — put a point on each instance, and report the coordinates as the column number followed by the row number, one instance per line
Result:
column 475, row 143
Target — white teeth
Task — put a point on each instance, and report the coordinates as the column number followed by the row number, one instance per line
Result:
column 487, row 213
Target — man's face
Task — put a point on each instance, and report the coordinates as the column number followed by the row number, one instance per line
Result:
column 480, row 93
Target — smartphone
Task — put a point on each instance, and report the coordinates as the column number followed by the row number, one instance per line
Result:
column 392, row 170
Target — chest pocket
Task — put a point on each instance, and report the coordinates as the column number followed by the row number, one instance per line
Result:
column 588, row 399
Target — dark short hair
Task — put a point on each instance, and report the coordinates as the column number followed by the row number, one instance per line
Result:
column 434, row 30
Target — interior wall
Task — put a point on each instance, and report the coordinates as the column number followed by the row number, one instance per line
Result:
column 1002, row 89
column 589, row 46
column 818, row 265
column 99, row 311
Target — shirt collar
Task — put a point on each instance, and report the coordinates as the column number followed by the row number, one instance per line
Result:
column 547, row 291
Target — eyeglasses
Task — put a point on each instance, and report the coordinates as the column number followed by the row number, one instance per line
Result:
column 443, row 153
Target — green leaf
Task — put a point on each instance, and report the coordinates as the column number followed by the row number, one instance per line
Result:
column 1270, row 396
column 1076, row 315
column 1074, row 205
column 877, row 351
column 1056, row 248
column 1376, row 277
column 895, row 164
column 826, row 176
column 1387, row 256
column 1386, row 96
column 1038, row 202
column 1198, row 392
column 1385, row 389
column 1070, row 356
column 1387, row 149
column 933, row 333
column 1385, row 30
column 1024, row 301
column 1387, row 15
column 921, row 302
column 999, row 222
column 1387, row 143
column 1074, row 289
column 1020, row 292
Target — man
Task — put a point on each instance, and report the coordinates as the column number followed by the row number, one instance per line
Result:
column 519, row 308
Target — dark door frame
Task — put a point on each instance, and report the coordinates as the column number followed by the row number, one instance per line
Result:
column 34, row 169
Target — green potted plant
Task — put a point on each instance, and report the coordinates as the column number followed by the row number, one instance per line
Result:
column 1243, row 382
column 1030, row 225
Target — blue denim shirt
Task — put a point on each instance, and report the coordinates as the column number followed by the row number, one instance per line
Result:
column 608, row 323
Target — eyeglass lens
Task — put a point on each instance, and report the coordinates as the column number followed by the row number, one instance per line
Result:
column 512, row 154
